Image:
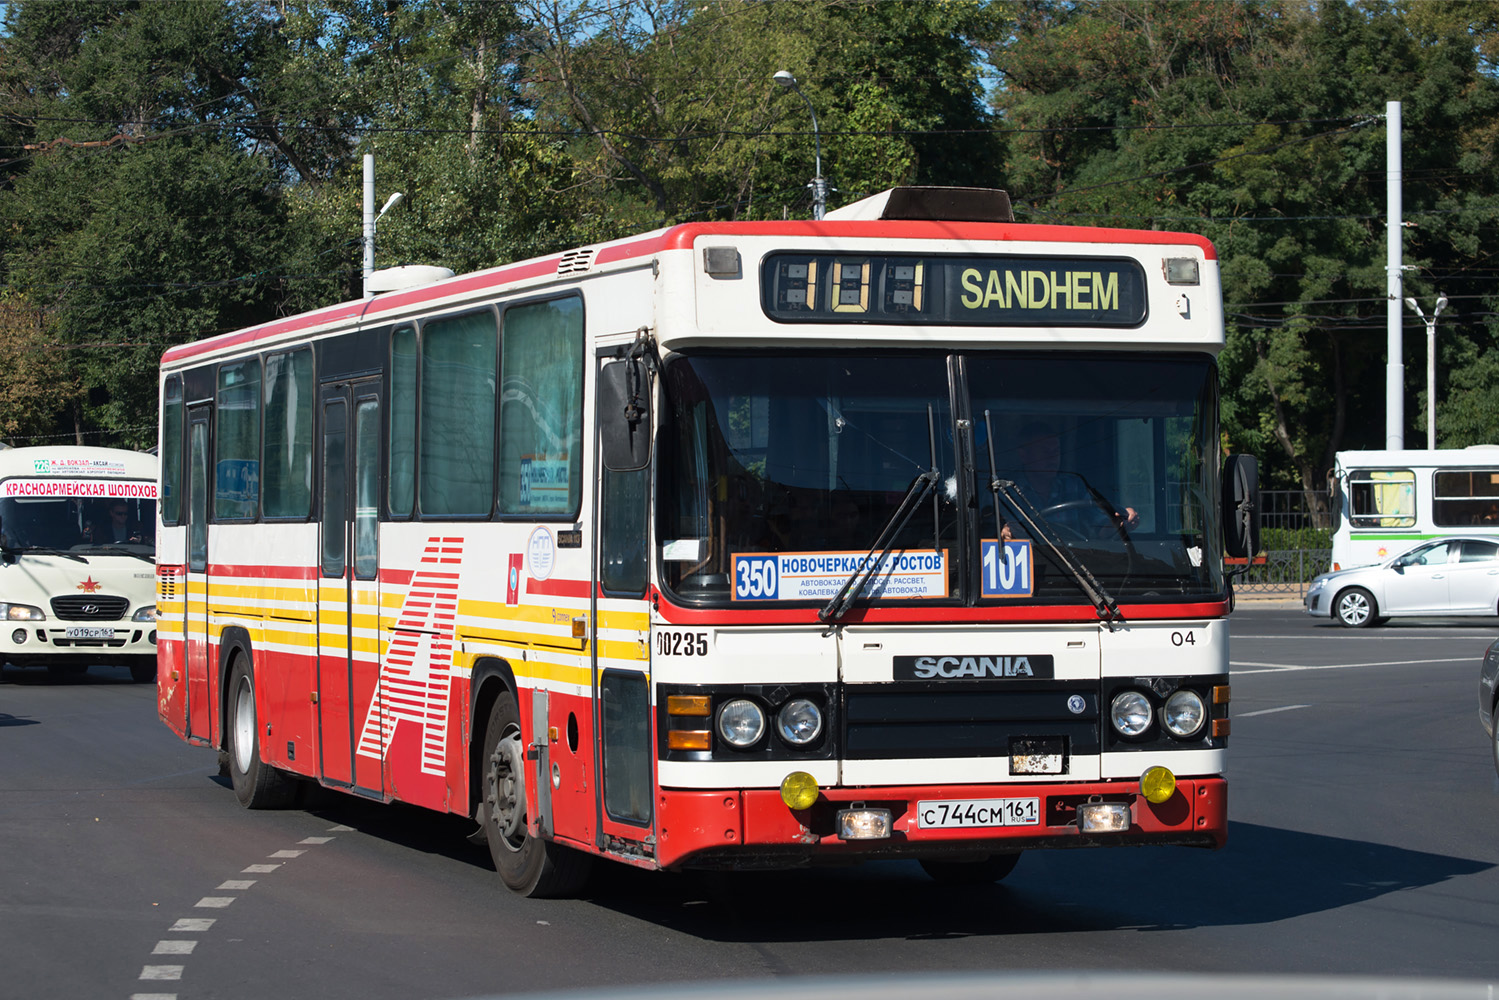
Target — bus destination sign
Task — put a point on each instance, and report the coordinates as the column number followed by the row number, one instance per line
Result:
column 961, row 291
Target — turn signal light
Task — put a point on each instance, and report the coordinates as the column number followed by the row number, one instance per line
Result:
column 1221, row 694
column 688, row 739
column 1220, row 727
column 688, row 704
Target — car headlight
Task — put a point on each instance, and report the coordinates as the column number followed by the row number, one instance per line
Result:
column 1184, row 713
column 741, row 722
column 1317, row 584
column 22, row 613
column 145, row 614
column 799, row 721
column 1130, row 713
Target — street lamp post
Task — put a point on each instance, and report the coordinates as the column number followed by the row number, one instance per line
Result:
column 1431, row 364
column 371, row 217
column 819, row 186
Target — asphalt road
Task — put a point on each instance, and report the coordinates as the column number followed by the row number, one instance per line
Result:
column 1363, row 802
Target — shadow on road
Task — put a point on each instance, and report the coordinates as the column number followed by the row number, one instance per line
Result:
column 1264, row 875
column 11, row 720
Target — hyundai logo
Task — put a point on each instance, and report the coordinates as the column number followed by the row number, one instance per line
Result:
column 90, row 609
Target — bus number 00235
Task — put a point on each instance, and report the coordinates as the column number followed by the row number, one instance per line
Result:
column 681, row 644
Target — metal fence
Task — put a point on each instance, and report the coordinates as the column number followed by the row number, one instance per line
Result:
column 1294, row 509
column 1286, row 572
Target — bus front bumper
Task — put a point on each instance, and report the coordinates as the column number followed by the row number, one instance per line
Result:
column 754, row 828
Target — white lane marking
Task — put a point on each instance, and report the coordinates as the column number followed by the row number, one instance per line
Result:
column 153, row 996
column 1411, row 635
column 216, row 902
column 341, row 829
column 162, row 972
column 187, row 924
column 315, row 840
column 288, row 854
column 237, row 883
column 1268, row 711
column 1293, row 668
column 260, row 869
column 174, row 947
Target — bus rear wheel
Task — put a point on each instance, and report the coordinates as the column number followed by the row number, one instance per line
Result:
column 256, row 783
column 527, row 865
column 981, row 872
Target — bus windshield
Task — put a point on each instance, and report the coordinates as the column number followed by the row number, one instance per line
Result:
column 809, row 457
column 80, row 525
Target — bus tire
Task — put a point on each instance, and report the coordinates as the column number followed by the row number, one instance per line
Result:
column 1355, row 608
column 982, row 872
column 257, row 784
column 527, row 865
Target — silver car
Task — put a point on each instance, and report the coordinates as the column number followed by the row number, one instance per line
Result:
column 1443, row 576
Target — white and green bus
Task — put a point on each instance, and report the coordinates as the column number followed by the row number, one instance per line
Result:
column 1384, row 502
column 77, row 559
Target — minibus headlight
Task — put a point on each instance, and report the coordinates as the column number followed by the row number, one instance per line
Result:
column 799, row 721
column 1184, row 713
column 146, row 614
column 1130, row 713
column 22, row 613
column 741, row 723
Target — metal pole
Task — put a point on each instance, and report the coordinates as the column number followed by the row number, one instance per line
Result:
column 1394, row 432
column 369, row 223
column 1431, row 383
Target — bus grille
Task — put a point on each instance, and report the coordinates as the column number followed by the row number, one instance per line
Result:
column 973, row 719
column 89, row 608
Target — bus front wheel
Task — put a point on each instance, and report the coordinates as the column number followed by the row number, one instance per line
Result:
column 527, row 865
column 982, row 872
column 256, row 783
column 1355, row 608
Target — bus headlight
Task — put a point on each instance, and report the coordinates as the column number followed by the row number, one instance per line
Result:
column 22, row 613
column 1184, row 713
column 1130, row 713
column 741, row 723
column 799, row 721
column 146, row 614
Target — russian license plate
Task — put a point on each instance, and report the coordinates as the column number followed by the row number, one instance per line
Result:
column 932, row 814
column 86, row 632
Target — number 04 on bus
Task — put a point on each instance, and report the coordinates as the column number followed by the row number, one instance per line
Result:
column 894, row 535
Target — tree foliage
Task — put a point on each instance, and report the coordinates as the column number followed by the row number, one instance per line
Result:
column 175, row 170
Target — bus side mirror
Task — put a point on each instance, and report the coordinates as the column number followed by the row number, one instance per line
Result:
column 1241, row 506
column 624, row 408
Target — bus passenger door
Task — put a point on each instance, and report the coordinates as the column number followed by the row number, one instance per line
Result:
column 622, row 669
column 200, row 722
column 350, row 727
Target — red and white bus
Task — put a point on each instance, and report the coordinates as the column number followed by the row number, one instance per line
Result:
column 899, row 534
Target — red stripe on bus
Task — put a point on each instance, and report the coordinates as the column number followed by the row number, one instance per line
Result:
column 558, row 588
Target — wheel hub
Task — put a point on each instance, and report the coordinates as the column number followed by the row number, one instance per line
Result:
column 507, row 790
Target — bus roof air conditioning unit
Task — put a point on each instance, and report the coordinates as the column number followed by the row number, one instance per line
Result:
column 944, row 204
column 394, row 279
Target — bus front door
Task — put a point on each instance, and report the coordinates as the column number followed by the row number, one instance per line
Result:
column 351, row 730
column 200, row 717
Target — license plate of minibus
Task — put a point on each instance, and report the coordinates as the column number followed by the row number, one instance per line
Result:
column 84, row 632
column 934, row 814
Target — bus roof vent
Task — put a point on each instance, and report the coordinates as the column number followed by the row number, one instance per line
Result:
column 945, row 204
column 393, row 279
column 576, row 260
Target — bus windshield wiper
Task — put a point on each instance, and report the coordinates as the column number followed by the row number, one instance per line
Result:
column 923, row 484
column 1040, row 528
column 43, row 550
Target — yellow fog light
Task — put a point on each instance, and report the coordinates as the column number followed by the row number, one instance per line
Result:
column 799, row 790
column 1157, row 784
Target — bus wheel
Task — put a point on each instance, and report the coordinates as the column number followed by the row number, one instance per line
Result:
column 527, row 865
column 1355, row 608
column 143, row 673
column 990, row 869
column 256, row 783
